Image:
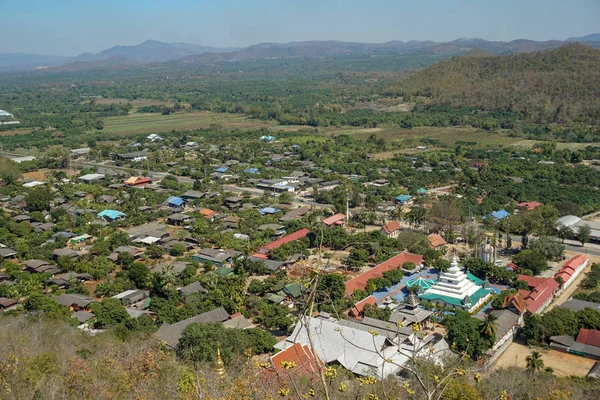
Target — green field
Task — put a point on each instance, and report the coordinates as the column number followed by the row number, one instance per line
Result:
column 157, row 123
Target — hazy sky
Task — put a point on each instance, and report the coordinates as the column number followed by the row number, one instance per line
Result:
column 70, row 27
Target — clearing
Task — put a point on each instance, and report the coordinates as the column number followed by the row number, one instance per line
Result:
column 156, row 123
column 563, row 364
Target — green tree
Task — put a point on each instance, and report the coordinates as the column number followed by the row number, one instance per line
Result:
column 9, row 170
column 139, row 274
column 109, row 312
column 588, row 318
column 534, row 362
column 531, row 260
column 38, row 199
column 488, row 325
column 177, row 249
column 584, row 234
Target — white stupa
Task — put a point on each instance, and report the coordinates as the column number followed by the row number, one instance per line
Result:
column 456, row 289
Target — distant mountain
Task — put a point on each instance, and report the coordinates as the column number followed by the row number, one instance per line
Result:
column 151, row 51
column 114, row 62
column 560, row 85
column 28, row 61
column 594, row 37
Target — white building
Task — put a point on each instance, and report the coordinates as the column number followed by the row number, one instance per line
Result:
column 456, row 289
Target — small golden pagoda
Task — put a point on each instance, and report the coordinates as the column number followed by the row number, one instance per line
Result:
column 219, row 365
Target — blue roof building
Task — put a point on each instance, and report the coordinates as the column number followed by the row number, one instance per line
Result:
column 268, row 210
column 222, row 169
column 174, row 201
column 267, row 138
column 404, row 198
column 111, row 215
column 251, row 170
column 422, row 191
column 497, row 215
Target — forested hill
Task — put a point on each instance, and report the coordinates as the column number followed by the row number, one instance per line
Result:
column 561, row 85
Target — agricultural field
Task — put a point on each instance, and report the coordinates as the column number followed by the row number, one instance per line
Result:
column 157, row 123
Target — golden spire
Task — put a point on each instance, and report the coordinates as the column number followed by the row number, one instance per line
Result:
column 219, row 366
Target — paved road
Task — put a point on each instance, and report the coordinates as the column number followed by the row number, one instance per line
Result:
column 571, row 245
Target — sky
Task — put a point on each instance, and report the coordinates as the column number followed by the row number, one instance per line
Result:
column 71, row 27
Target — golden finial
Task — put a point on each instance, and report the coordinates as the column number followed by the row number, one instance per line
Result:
column 219, row 365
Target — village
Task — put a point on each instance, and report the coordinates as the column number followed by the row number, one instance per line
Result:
column 238, row 243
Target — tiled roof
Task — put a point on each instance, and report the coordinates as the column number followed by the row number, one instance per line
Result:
column 360, row 282
column 590, row 337
column 570, row 267
column 529, row 205
column 334, row 219
column 299, row 354
column 436, row 240
column 357, row 310
column 391, row 226
column 286, row 239
column 542, row 289
column 517, row 301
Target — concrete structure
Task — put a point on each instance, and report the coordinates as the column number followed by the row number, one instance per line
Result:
column 456, row 289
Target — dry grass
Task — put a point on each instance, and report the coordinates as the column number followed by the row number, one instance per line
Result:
column 156, row 123
column 564, row 364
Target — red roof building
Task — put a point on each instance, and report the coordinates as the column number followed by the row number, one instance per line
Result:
column 512, row 266
column 137, row 181
column 283, row 240
column 360, row 282
column 515, row 301
column 590, row 337
column 297, row 359
column 540, row 294
column 529, row 205
column 436, row 241
column 391, row 229
column 358, row 310
column 337, row 219
column 571, row 269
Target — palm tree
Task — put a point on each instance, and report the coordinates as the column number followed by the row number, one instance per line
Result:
column 534, row 362
column 487, row 327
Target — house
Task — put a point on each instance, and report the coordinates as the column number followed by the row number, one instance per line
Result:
column 136, row 252
column 133, row 156
column 296, row 214
column 497, row 215
column 136, row 181
column 83, row 316
column 7, row 253
column 194, row 287
column 404, row 199
column 477, row 164
column 176, row 202
column 283, row 240
column 358, row 310
column 178, row 267
column 507, row 323
column 107, row 198
column 335, row 220
column 208, row 213
column 66, row 252
column 269, row 211
column 63, row 281
column 217, row 257
column 178, row 219
column 76, row 302
column 89, row 178
column 130, row 297
column 528, row 205
column 575, row 222
column 587, row 343
column 436, row 241
column 111, row 215
column 391, row 229
column 276, row 228
column 153, row 137
column 7, row 304
column 192, row 195
column 540, row 294
column 251, row 171
column 360, row 281
column 571, row 270
column 516, row 303
column 40, row 266
column 380, row 183
column 233, row 202
column 304, row 363
column 169, row 334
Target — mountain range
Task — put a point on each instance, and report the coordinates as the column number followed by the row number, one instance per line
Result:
column 152, row 52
